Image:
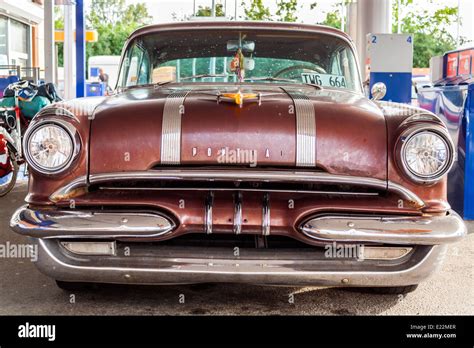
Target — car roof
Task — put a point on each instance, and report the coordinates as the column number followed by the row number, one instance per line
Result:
column 243, row 25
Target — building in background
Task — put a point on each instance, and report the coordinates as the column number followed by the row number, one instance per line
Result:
column 21, row 33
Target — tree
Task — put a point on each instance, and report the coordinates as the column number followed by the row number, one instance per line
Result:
column 257, row 11
column 59, row 25
column 430, row 29
column 287, row 10
column 206, row 11
column 114, row 22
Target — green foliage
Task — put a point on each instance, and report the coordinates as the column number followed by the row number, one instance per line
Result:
column 256, row 11
column 431, row 35
column 333, row 19
column 114, row 22
column 205, row 11
column 287, row 10
column 59, row 25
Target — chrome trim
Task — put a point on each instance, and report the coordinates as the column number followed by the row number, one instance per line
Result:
column 414, row 230
column 266, row 220
column 238, row 213
column 171, row 127
column 400, row 152
column 89, row 224
column 78, row 248
column 218, row 267
column 317, row 192
column 65, row 191
column 305, row 128
column 243, row 175
column 70, row 130
column 208, row 213
column 384, row 253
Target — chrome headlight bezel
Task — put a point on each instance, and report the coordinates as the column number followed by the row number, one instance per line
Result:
column 71, row 132
column 401, row 147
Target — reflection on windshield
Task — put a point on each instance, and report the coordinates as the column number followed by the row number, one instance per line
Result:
column 231, row 56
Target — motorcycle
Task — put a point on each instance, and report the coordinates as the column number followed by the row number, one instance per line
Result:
column 13, row 124
column 10, row 148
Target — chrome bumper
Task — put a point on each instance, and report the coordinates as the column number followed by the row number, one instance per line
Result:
column 204, row 265
column 386, row 230
column 417, row 230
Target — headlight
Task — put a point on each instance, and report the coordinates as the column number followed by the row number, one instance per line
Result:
column 426, row 155
column 50, row 148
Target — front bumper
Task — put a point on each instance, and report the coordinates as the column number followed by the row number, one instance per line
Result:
column 406, row 230
column 158, row 264
column 204, row 265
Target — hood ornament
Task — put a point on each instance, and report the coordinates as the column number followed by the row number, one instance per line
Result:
column 239, row 98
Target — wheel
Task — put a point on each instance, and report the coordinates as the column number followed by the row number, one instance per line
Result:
column 73, row 286
column 10, row 182
column 392, row 290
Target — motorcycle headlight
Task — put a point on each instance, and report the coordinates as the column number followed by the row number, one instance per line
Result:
column 427, row 155
column 50, row 148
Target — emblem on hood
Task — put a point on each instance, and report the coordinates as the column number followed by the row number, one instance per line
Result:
column 239, row 98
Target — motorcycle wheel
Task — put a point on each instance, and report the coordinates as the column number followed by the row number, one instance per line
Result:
column 11, row 179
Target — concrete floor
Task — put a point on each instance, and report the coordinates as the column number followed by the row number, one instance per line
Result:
column 24, row 290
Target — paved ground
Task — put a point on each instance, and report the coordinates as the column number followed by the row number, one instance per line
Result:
column 23, row 290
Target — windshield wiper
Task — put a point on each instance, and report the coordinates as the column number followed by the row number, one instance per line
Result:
column 191, row 77
column 203, row 76
column 281, row 79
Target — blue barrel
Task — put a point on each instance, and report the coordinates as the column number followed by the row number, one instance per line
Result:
column 95, row 89
column 452, row 99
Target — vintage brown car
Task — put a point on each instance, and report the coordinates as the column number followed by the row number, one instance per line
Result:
column 239, row 152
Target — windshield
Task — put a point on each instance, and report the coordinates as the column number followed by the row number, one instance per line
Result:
column 230, row 56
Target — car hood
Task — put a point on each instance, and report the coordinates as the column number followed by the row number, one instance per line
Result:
column 204, row 125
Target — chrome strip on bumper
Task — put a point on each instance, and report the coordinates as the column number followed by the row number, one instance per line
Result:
column 284, row 176
column 208, row 213
column 177, row 270
column 431, row 230
column 266, row 219
column 238, row 213
column 88, row 224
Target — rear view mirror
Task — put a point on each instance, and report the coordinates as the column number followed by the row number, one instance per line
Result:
column 245, row 46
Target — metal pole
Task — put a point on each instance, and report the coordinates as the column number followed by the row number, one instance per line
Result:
column 399, row 13
column 343, row 15
column 458, row 33
column 49, row 51
column 80, row 50
column 213, row 9
column 235, row 10
column 69, row 80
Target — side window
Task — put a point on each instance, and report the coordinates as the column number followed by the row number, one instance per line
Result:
column 136, row 67
column 336, row 64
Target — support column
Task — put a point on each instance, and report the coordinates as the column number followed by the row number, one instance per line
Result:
column 80, row 50
column 69, row 53
column 373, row 16
column 49, row 49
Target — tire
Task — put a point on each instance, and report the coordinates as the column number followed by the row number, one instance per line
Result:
column 393, row 290
column 7, row 187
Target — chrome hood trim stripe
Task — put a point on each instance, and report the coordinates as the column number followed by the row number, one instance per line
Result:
column 305, row 128
column 288, row 176
column 171, row 127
